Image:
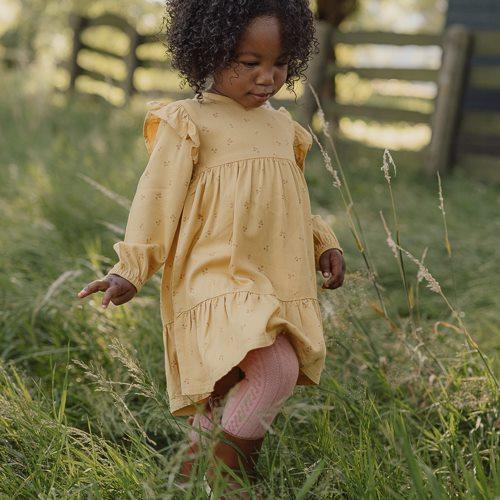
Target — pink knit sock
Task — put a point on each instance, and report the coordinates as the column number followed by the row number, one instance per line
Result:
column 270, row 376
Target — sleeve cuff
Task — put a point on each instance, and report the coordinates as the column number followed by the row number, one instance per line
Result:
column 129, row 275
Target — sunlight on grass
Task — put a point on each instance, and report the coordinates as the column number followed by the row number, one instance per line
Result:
column 395, row 136
column 373, row 56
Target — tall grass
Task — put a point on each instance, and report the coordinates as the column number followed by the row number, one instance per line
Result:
column 407, row 407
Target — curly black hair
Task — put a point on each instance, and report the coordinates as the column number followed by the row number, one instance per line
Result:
column 202, row 35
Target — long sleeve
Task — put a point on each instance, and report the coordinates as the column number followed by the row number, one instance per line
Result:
column 323, row 236
column 172, row 142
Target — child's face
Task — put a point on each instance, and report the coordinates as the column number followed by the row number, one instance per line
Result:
column 260, row 66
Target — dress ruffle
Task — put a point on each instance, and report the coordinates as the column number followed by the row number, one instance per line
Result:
column 176, row 116
column 229, row 320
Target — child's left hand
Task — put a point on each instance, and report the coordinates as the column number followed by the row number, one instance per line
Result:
column 332, row 267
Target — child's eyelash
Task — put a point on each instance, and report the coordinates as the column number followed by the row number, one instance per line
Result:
column 255, row 64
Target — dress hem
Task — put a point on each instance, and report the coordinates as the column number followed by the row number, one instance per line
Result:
column 292, row 317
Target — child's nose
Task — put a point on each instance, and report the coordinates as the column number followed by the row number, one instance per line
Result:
column 266, row 77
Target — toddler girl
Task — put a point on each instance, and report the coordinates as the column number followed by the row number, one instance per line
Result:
column 223, row 208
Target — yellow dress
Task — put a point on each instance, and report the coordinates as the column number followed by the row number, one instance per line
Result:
column 223, row 207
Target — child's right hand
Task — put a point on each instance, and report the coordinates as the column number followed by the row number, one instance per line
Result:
column 118, row 290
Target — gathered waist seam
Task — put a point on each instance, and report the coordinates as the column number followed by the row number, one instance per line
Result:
column 200, row 168
column 315, row 299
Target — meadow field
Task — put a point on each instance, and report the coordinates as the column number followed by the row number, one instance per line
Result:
column 408, row 402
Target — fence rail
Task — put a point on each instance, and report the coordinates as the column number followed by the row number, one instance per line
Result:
column 449, row 79
column 131, row 60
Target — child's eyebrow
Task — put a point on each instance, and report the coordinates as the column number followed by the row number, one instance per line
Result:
column 257, row 55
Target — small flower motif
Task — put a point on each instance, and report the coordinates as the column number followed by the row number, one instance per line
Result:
column 148, row 239
column 244, row 228
column 261, row 223
column 143, row 196
column 229, row 141
column 258, row 190
column 204, row 129
column 278, row 143
column 269, row 125
column 266, row 248
column 172, row 218
column 141, row 225
column 205, row 270
column 215, row 115
column 158, row 196
column 200, row 217
column 178, row 146
column 255, row 149
column 283, row 234
column 230, row 124
column 268, row 205
column 246, row 119
column 158, row 222
column 214, row 150
column 166, row 163
column 247, row 205
column 291, row 276
column 249, row 256
column 260, row 268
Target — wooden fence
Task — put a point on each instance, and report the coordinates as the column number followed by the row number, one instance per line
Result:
column 131, row 60
column 478, row 147
column 450, row 77
column 444, row 114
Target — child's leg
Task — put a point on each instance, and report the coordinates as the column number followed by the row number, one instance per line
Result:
column 205, row 420
column 270, row 376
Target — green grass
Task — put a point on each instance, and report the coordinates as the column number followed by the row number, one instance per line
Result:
column 406, row 407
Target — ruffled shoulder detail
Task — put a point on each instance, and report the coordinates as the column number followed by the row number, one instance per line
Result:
column 302, row 140
column 177, row 117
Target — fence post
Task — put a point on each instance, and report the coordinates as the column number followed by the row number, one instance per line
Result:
column 78, row 24
column 131, row 63
column 447, row 112
column 316, row 70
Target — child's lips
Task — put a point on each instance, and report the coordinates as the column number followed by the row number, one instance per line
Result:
column 261, row 97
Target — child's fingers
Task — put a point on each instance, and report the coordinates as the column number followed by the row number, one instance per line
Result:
column 111, row 292
column 125, row 297
column 337, row 275
column 94, row 286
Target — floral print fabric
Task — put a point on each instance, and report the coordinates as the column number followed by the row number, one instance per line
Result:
column 223, row 208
